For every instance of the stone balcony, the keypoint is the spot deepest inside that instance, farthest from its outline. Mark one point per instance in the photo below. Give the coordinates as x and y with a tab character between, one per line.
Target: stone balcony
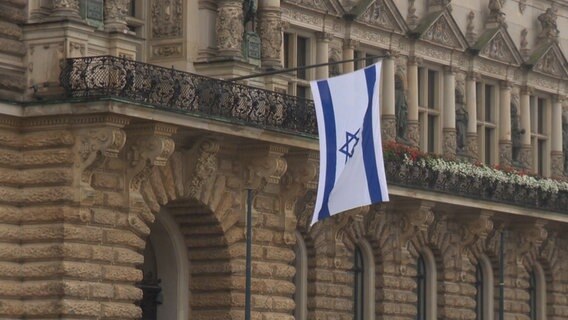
150	86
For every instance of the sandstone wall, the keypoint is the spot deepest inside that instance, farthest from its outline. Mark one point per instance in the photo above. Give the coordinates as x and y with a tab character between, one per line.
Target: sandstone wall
12	49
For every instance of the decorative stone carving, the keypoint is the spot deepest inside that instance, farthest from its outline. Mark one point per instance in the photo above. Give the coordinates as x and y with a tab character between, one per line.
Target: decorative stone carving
462	119
525	156
470	34
550	64
401	109
557	163
94	147
436	5
498	49
449	143
66	8
230	28
415	220
441	32
496	14
522	6
516	133
379	14
265	165
505	153
411	17
148	145
317	4
167	19
549	26
472	146
414	133
204	156
388	127
115	15
270	31
524	44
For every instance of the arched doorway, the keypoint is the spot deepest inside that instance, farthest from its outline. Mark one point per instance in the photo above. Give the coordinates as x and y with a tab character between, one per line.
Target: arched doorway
165	284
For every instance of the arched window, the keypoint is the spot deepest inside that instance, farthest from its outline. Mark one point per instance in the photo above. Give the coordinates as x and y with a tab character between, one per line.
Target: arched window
537	293
484	287
426	288
359	285
301	279
364	282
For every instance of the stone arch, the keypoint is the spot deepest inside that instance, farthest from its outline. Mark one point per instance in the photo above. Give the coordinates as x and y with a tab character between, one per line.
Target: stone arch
205	206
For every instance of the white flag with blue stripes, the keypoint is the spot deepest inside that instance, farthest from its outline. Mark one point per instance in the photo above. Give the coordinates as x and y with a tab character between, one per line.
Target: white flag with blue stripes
351	172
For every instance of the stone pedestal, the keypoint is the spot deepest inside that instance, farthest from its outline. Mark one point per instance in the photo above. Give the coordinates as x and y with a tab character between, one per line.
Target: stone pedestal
472	146
557	163
230	29
413	133
449	143
526	156
505	152
388	127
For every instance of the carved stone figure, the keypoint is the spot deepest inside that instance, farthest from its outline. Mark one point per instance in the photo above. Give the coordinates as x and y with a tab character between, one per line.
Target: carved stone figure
516	133
167	18
249	10
524	43
401	109
548	22
470	31
496	13
411	17
462	119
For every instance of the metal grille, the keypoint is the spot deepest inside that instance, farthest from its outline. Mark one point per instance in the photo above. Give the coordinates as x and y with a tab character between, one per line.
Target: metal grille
173	90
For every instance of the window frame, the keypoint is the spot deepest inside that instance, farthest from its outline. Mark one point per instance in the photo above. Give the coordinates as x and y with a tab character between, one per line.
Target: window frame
429	116
540	137
290	57
487	125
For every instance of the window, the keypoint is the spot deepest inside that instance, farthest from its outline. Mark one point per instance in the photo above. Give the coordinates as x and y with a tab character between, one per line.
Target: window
537	293
359	285
134	16
363	282
297	54
484	289
367	59
429	108
486	124
540	134
426	286
301	279
421	289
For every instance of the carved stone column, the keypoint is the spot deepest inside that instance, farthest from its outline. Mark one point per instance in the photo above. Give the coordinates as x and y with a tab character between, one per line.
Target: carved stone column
525	157
449	115
115	15
230	28
270	31
471	105
66	9
505	145
556	156
413	125
388	103
348	54
322	53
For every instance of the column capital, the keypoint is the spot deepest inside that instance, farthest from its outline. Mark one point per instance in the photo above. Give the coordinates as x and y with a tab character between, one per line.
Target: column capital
505	84
285	25
324	36
350	43
450	69
414	60
559	98
472	75
526	90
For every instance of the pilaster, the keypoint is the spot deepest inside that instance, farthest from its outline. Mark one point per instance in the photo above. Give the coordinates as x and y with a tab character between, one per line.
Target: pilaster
526	153
115	15
556	156
449	146
322	53
505	144
349	46
65	9
388	119
413	125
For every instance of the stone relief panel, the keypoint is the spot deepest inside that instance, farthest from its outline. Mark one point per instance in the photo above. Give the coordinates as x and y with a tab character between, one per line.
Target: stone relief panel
550	64
302	17
380	15
441	32
312	4
167	18
498	49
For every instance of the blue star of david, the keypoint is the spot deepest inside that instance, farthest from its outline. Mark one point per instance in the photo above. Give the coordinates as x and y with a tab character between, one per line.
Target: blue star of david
347	149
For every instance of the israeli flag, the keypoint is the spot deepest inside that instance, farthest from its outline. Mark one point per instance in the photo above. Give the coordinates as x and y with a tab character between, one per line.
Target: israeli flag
352	172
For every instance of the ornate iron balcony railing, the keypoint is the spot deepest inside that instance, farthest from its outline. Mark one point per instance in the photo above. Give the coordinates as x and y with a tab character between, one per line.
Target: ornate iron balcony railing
178	91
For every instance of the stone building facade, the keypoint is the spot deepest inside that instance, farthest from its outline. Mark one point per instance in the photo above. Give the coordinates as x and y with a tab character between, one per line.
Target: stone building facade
123	178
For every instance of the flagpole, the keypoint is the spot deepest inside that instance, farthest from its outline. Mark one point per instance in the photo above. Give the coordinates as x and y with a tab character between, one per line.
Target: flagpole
273	72
248	265
502	277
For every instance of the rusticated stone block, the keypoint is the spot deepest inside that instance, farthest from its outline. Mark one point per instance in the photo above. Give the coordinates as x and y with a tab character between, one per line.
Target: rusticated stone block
80	308
87	271
127	256
115	273
11	308
120	311
126	292
124	237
